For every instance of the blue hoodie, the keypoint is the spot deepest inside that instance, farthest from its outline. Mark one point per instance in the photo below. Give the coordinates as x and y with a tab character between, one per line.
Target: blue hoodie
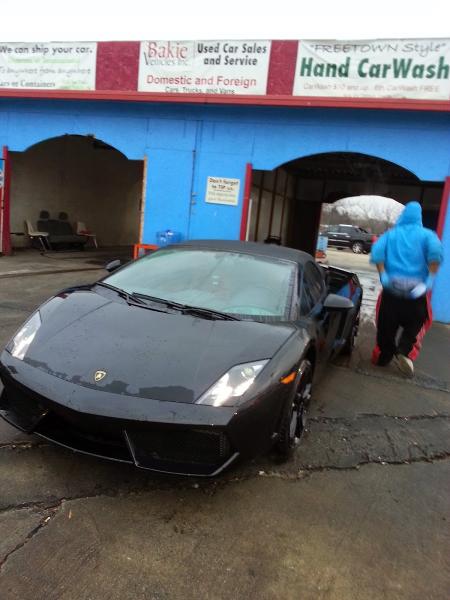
408	248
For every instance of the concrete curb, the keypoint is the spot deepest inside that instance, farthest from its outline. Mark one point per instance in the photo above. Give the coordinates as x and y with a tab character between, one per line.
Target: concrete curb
28	273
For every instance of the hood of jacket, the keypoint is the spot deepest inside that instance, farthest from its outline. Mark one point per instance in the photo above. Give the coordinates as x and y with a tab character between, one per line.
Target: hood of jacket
411	215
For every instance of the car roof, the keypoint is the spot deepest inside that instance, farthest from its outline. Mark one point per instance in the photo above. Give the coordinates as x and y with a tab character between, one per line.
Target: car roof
255	248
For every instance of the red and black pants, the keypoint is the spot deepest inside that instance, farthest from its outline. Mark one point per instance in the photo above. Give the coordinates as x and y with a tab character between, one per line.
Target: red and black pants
401	325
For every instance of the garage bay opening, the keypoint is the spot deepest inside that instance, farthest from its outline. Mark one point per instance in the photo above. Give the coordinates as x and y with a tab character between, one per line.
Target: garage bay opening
286	203
80	189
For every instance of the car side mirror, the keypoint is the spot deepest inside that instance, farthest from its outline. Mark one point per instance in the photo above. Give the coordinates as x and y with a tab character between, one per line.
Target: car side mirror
113	265
336	302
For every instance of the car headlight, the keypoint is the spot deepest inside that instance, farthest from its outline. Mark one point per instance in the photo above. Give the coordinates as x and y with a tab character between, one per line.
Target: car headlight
228	390
20	343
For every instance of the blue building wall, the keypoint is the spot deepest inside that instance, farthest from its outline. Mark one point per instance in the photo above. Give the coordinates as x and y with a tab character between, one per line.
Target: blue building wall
184	144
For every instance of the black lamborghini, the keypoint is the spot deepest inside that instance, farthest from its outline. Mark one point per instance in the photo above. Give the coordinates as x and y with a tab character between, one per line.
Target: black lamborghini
183	360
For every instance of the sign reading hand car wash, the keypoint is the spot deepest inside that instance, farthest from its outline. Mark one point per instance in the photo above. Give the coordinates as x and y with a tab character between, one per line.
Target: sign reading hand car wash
206	67
374	68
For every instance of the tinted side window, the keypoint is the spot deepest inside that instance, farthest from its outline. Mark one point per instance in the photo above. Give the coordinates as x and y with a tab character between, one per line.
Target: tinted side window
306	300
313	281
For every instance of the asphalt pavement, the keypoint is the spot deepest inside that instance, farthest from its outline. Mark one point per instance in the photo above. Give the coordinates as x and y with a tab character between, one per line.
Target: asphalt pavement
361	512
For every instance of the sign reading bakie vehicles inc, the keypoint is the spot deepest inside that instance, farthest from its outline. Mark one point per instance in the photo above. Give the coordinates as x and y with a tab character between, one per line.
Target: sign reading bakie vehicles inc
416	69
208	67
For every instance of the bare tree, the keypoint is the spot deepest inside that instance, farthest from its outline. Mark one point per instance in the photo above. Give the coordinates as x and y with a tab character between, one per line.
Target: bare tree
368	212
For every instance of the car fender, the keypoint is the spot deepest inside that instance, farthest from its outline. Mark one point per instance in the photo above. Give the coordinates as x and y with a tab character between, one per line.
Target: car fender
307	352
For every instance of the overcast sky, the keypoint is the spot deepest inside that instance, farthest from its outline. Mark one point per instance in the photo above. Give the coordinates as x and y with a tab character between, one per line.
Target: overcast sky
91	20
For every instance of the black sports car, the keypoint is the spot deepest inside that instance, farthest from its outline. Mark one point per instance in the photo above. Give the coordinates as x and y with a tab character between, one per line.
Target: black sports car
183	360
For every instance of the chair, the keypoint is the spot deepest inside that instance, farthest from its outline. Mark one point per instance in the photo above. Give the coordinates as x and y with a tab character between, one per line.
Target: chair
40	235
60	232
83	230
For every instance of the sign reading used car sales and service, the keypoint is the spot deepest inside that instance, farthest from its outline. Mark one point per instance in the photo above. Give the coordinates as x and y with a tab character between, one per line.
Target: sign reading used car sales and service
48	66
209	67
415	69
222	190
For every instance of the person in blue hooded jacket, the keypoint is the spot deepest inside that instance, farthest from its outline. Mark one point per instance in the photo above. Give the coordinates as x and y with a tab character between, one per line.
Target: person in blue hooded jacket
407	258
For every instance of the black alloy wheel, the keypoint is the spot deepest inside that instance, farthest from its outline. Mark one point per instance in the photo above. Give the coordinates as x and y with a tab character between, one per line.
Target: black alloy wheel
358	247
349	345
294	419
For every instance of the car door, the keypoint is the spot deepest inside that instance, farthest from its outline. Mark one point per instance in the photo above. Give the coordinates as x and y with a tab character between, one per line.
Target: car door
332	235
326	323
345	236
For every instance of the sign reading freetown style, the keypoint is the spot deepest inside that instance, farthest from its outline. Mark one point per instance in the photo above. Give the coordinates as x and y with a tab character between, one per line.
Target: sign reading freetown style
416	69
48	66
212	67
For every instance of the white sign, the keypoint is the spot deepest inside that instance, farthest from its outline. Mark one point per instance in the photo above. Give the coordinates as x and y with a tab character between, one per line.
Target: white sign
221	190
374	69
48	66
213	67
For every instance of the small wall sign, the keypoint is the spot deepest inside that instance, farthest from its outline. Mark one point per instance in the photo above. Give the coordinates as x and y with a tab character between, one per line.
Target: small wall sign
222	190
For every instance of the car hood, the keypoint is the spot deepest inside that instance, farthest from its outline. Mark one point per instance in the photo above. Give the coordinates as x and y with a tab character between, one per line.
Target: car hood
144	353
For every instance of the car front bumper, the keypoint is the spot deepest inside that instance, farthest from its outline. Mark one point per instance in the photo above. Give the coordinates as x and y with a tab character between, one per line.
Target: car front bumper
168	437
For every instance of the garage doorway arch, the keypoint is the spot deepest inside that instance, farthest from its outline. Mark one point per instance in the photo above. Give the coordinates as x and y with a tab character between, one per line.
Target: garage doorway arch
91	181
287	201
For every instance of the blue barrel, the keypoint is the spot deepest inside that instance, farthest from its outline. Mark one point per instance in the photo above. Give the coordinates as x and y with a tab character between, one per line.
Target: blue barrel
322	243
165	238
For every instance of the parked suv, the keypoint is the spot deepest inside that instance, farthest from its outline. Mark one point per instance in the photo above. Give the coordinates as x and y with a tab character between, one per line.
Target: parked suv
350	236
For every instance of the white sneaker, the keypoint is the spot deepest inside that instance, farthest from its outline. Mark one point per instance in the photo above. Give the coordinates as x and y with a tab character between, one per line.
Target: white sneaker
405	365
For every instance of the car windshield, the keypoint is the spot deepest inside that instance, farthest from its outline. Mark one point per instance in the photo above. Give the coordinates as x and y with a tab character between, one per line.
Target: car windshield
243	285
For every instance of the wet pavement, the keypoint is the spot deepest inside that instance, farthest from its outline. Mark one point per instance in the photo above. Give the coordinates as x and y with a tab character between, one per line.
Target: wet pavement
28	261
361	512
367	273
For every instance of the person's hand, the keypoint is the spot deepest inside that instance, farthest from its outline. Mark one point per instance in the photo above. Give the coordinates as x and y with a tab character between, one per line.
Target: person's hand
419	290
385	279
429	282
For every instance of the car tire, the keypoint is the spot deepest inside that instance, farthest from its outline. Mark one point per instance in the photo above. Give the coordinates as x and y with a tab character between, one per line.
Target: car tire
349	345
294	419
358	247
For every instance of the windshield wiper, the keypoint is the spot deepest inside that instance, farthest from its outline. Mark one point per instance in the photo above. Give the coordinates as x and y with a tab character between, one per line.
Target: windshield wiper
168	303
136	298
208	313
122	293
187	309
131	299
